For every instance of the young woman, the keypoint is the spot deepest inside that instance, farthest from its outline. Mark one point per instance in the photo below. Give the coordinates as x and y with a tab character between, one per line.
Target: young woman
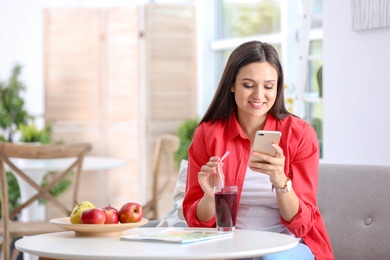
277	195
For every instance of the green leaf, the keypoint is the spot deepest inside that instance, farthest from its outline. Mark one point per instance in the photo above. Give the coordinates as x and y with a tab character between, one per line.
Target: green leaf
13	192
12	107
185	132
30	133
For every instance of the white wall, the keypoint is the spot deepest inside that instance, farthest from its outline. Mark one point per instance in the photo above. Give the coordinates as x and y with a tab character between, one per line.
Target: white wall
356	89
21	41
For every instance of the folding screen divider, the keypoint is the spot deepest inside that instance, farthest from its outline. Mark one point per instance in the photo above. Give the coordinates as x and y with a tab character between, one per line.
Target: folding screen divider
118	78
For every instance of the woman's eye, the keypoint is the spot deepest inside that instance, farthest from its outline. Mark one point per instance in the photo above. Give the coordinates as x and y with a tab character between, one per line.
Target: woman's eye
269	86
247	86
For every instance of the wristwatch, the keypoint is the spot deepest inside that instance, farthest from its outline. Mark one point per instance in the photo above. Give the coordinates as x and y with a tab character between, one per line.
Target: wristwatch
286	188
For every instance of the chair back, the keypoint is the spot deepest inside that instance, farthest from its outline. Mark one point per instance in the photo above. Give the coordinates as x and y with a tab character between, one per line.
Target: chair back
164	151
9	155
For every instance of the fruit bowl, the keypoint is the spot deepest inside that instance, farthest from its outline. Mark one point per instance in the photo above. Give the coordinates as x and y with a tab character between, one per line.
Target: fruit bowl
96	229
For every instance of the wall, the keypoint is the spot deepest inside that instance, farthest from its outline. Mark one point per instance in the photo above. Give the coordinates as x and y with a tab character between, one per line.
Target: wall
356	89
21	42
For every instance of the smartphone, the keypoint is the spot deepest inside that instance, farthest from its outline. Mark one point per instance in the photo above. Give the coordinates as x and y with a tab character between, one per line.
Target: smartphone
263	143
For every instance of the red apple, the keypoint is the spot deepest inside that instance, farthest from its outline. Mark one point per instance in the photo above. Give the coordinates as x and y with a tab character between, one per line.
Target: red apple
112	215
131	212
93	216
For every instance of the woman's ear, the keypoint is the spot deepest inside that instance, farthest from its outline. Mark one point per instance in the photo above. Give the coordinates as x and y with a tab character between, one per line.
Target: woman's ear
232	88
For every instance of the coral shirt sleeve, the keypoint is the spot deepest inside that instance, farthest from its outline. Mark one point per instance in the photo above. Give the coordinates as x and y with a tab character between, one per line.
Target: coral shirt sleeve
303	171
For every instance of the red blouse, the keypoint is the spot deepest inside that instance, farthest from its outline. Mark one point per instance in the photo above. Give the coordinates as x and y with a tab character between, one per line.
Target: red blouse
300	148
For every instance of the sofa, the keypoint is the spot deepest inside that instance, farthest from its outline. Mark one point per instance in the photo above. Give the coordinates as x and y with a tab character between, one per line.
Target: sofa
353	200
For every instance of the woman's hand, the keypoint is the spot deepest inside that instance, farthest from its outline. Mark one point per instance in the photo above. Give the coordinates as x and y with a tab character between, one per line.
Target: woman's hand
272	166
208	176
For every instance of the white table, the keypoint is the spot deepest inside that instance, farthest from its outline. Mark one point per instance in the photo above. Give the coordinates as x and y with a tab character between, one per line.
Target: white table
65	245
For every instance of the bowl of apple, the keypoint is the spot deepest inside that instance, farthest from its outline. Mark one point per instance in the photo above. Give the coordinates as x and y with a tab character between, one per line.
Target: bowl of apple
88	220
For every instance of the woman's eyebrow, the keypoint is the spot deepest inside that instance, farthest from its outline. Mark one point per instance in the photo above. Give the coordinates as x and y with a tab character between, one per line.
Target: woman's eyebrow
270	80
248	79
267	81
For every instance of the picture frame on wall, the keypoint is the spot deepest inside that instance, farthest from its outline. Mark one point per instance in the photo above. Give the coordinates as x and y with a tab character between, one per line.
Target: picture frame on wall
370	14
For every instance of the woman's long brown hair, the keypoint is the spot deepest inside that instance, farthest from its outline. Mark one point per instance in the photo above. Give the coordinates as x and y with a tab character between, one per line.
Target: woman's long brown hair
223	104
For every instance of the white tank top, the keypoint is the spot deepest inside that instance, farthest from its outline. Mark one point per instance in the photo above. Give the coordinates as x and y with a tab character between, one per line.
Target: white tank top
258	208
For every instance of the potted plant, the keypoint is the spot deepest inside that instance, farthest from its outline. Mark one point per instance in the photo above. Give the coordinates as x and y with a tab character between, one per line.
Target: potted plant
29	133
12	109
12	113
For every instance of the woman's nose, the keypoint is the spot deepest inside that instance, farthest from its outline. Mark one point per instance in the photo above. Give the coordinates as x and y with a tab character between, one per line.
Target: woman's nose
258	92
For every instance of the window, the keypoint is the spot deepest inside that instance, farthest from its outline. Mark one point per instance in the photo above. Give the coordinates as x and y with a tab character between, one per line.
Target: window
277	22
246	18
239	21
312	98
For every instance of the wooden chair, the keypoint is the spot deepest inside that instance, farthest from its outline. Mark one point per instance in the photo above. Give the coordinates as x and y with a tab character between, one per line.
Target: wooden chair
165	148
11	228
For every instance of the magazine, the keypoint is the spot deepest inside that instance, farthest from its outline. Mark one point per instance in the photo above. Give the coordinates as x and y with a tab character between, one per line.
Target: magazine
179	236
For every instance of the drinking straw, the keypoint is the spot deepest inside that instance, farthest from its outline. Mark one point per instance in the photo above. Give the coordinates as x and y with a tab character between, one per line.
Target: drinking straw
220	169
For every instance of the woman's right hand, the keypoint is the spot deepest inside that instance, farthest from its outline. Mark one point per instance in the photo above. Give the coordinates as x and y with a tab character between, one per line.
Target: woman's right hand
208	177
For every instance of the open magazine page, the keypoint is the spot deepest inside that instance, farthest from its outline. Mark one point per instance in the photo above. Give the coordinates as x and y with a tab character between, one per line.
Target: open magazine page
179	236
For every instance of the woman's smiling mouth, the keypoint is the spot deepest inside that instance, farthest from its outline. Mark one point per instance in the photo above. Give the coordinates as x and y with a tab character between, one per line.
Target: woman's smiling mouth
256	104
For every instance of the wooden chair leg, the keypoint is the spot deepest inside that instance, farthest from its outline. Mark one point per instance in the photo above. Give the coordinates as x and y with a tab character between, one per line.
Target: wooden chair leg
15	253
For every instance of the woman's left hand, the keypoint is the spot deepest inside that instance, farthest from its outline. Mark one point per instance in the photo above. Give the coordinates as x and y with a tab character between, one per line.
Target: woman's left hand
272	166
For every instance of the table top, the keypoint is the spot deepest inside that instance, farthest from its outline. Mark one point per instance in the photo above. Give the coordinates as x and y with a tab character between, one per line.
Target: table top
65	245
90	163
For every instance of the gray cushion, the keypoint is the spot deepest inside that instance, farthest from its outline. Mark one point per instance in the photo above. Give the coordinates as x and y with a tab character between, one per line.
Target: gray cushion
354	202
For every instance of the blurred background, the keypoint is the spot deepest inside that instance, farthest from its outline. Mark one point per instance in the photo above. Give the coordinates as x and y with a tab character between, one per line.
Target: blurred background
119	74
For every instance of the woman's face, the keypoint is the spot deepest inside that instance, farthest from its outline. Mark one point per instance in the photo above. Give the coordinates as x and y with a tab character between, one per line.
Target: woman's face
255	89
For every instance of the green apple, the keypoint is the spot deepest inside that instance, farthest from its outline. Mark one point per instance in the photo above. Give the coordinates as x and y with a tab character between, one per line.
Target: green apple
75	216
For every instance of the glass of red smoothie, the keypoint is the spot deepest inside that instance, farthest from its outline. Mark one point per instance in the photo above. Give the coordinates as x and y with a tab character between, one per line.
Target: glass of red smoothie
225	207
